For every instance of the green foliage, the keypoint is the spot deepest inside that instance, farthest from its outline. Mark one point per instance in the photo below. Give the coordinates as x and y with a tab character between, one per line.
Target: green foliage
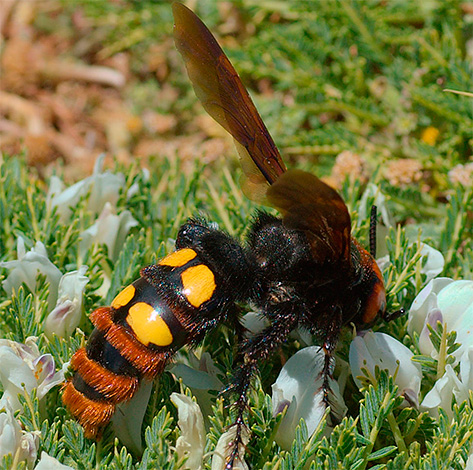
375	66
373	439
457	227
360	76
158	453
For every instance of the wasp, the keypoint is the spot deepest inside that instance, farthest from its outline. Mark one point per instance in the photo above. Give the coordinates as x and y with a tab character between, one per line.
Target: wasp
303	269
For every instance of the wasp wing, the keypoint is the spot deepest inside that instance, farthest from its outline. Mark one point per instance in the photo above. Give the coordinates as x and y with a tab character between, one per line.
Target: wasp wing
305	201
308	204
219	88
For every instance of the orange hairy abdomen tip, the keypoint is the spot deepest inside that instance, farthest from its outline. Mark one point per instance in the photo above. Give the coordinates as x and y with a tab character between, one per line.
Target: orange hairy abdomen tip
91	415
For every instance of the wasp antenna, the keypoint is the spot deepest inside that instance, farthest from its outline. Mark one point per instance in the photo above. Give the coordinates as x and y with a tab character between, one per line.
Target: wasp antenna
373	220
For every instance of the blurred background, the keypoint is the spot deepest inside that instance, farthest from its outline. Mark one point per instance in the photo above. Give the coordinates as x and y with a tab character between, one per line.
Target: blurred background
355	84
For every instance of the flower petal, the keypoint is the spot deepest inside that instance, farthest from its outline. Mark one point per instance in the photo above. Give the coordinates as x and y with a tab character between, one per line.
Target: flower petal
50	463
15	374
65	317
103	187
456	304
29	444
425	344
191	442
109	229
46	375
441	395
425	301
466	368
254	323
22	368
10	432
299	387
381	350
128	419
434	262
26	269
201	376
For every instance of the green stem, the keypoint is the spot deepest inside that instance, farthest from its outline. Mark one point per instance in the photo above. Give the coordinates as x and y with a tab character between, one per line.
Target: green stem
442	359
16	459
396	432
32	411
98	451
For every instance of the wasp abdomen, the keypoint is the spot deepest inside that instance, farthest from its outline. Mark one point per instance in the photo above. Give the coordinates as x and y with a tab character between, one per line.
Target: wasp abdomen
136	336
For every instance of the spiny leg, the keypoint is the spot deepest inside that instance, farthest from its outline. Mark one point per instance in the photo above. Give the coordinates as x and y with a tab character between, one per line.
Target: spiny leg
253	351
327	348
331	335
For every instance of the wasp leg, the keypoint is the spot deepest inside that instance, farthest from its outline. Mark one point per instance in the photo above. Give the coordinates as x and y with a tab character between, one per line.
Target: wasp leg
327	375
254	351
330	336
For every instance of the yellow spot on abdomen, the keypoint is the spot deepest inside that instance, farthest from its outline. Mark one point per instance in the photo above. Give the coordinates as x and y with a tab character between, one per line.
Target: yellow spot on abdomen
148	325
124	296
198	284
178	258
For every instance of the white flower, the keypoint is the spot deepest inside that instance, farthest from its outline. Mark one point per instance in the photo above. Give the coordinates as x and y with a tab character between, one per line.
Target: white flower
385	352
191	442
10	432
66	316
441	395
27	267
128	419
447	301
29	444
424	311
299	388
224	447
466	375
109	229
68	287
22	368
103	187
450	385
433	264
21	445
50	463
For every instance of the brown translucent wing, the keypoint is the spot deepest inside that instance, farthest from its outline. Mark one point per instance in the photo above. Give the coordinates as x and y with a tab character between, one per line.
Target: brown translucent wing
219	88
308	204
